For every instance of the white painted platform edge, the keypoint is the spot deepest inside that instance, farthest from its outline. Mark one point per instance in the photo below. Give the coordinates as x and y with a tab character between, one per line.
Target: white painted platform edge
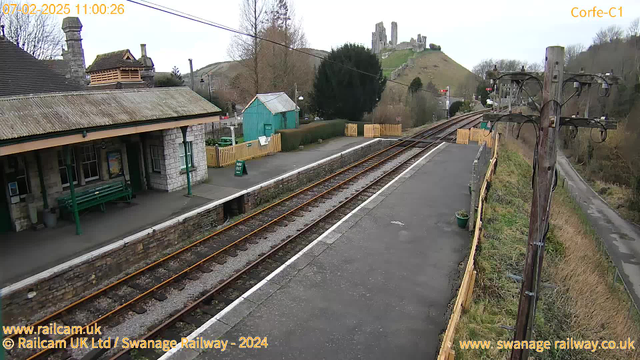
257	286
122	243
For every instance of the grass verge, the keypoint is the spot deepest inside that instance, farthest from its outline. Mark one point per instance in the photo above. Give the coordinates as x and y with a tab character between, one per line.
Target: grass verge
580	299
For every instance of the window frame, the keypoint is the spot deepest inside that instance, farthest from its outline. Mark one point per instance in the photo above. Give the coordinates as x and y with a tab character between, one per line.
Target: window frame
181	156
95	160
21	164
156	153
73	165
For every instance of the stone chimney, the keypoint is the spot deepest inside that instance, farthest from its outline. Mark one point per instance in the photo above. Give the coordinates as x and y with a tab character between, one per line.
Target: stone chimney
147	74
74	55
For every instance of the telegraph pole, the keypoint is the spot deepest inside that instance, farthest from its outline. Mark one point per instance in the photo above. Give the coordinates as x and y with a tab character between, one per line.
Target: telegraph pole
542	188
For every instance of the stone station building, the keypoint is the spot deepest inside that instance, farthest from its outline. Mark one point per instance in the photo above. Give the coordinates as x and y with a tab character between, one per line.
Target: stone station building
133	135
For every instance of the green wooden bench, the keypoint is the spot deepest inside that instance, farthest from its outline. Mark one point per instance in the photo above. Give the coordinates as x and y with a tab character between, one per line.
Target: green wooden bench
96	196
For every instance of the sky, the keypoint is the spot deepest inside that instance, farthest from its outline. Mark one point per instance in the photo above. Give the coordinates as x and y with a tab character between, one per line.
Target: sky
468	31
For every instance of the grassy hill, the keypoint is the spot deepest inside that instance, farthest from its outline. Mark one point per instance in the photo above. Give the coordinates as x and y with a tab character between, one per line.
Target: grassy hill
434	66
226	70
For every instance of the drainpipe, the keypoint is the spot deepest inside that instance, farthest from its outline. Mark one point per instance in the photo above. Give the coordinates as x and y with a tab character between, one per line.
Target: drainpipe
186	158
67	159
43	189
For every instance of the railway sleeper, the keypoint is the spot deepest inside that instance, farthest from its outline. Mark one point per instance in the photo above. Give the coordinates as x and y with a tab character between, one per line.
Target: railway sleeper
220	259
160	296
193	320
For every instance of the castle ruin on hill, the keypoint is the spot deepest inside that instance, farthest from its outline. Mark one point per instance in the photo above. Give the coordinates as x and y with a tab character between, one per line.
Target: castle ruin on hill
379	41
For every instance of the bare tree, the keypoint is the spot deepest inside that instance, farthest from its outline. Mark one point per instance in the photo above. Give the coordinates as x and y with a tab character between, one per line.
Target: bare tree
285	67
610	34
534	67
571	52
246	49
634	28
39	35
482	67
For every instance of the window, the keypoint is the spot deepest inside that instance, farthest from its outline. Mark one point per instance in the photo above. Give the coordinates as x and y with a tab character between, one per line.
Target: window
189	155
64	179
22	178
157	157
17	177
89	163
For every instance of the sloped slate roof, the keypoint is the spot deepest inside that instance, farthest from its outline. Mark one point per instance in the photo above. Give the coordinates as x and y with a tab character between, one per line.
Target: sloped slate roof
59	66
113	60
21	73
24	116
277	102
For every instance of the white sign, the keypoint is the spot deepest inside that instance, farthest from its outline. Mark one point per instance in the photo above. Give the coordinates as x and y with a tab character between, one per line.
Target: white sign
263	140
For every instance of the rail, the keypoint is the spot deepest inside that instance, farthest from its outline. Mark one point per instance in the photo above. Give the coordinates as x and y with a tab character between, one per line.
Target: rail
156	332
450	127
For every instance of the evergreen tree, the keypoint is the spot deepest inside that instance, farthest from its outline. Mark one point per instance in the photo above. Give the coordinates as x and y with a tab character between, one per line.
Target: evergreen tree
342	92
416	85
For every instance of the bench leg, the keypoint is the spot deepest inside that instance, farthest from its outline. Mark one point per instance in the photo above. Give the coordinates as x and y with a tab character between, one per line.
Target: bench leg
102	207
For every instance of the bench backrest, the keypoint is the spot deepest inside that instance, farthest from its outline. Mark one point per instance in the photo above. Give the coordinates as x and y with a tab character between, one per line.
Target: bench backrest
93	193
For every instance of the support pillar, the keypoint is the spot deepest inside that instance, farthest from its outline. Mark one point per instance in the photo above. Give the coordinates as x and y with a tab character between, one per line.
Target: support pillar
67	158
43	189
186	158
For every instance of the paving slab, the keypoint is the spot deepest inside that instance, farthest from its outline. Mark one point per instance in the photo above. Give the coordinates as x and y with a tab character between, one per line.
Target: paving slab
381	289
272	166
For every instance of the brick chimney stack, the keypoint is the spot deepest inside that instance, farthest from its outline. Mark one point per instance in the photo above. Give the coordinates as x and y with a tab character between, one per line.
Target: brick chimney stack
74	55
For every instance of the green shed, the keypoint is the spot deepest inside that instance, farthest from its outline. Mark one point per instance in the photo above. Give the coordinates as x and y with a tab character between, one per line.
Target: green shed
267	113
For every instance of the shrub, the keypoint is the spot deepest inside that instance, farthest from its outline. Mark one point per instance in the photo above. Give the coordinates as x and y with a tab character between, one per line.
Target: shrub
310	133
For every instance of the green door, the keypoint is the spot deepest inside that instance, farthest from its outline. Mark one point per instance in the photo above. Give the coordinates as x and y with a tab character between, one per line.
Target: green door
133	159
5	216
268	130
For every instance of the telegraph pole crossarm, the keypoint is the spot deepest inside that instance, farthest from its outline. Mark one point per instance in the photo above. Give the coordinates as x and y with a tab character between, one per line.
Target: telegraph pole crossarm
579	122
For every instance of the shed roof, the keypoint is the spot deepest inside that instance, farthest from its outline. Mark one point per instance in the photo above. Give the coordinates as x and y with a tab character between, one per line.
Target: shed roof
277	102
21	73
31	115
114	60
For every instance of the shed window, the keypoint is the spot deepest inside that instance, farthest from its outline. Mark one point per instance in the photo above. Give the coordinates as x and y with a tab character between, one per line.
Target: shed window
157	157
64	179
189	155
90	163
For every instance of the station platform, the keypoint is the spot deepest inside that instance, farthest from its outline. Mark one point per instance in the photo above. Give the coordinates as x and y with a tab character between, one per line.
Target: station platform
30	252
376	285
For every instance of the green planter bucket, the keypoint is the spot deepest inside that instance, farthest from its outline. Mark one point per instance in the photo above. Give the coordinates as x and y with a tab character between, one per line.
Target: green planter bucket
462	221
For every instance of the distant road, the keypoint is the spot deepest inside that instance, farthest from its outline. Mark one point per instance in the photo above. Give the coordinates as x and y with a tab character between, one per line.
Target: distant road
621	237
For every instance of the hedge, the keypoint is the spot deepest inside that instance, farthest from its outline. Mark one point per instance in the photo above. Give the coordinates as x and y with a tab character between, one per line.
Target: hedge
310	133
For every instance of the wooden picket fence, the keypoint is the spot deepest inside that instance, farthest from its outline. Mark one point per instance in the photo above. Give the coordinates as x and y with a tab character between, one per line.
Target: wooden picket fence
462	136
372	130
465	292
481	136
248	150
351	130
377	130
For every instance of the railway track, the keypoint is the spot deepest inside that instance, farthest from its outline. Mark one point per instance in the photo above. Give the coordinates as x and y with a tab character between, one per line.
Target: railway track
106	307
